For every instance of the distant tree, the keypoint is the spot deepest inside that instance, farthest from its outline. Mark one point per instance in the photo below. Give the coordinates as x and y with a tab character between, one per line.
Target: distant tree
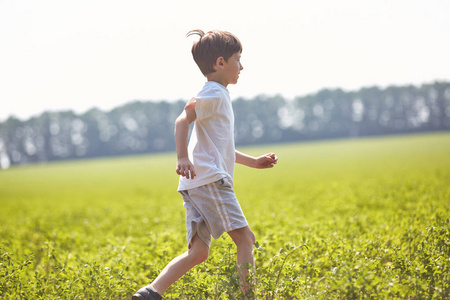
146	127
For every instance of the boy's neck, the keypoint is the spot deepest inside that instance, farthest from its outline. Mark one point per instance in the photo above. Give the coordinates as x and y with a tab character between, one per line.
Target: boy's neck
218	83
217	78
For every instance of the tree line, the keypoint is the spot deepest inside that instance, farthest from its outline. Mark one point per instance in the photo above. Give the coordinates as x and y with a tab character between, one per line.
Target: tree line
146	127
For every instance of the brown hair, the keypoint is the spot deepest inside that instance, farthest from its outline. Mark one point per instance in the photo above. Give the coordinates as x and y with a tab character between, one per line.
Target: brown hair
210	46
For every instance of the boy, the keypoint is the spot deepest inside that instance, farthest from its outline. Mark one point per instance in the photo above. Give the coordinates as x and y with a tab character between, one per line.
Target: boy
206	166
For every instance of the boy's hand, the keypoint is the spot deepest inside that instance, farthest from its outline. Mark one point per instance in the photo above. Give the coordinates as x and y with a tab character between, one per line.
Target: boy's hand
185	168
266	161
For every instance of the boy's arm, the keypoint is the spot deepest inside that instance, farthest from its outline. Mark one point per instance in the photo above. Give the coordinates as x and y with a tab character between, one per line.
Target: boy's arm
262	162
184	165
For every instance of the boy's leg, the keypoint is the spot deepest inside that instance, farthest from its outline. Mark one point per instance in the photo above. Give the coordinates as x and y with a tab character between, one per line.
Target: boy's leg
197	253
244	240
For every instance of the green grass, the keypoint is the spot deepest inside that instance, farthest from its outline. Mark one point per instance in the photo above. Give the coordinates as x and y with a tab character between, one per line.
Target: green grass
346	219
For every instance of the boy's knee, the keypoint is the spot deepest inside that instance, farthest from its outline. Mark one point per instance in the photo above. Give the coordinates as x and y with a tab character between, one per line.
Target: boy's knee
199	254
244	237
252	238
249	237
203	255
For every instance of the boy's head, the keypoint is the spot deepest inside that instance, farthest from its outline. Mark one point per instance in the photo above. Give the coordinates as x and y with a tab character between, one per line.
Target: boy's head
212	45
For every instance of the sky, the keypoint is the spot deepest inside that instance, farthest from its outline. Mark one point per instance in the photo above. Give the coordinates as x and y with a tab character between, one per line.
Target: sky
60	55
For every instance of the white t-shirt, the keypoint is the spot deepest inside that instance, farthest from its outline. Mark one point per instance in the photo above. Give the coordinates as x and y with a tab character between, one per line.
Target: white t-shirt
211	146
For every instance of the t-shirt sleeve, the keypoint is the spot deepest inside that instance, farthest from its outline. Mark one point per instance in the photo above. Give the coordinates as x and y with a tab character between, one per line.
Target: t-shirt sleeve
205	107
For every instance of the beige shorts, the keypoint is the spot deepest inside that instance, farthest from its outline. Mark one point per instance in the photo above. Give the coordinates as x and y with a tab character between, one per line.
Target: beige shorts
211	210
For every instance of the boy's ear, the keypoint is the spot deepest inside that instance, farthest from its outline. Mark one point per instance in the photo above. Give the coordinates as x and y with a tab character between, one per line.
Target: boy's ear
219	63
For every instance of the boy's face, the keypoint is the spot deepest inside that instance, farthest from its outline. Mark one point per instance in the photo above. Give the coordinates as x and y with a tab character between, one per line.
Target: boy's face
232	68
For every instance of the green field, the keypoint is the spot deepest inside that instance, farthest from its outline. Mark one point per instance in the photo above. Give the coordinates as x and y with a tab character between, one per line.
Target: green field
346	219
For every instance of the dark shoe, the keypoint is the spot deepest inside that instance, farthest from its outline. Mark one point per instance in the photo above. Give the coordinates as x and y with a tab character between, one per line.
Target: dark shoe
146	293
